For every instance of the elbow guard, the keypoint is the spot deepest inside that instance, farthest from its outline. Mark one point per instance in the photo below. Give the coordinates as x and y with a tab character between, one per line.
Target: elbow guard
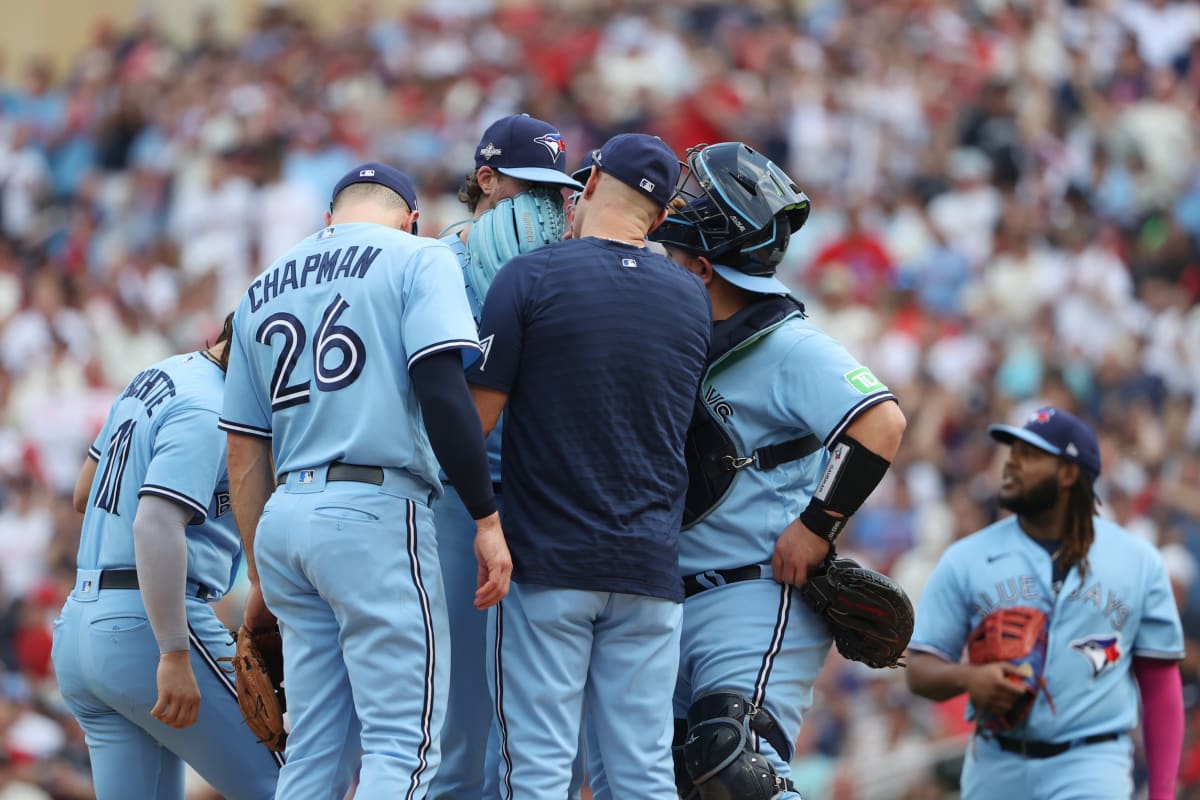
851	475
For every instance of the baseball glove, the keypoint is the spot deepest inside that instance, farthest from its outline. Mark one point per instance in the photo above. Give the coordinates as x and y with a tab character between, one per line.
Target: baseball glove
1016	635
258	670
869	615
516	225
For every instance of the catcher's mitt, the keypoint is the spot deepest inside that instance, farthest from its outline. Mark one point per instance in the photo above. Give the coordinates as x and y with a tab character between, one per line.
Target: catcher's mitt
1016	635
258	669
869	615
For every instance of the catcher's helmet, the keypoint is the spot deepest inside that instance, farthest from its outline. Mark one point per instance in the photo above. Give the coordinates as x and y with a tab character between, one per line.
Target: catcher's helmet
740	211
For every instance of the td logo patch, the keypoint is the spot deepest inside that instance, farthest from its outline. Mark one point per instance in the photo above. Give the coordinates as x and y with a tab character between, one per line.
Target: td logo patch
863	380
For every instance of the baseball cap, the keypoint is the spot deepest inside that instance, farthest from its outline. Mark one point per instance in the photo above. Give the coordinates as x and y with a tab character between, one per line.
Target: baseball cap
374	172
638	160
524	147
1058	433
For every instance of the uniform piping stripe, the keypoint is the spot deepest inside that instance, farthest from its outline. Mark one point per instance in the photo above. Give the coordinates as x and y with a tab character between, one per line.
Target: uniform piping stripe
500	719
171	494
93	453
430	663
223	677
453	344
1161	655
852	414
247	430
764	672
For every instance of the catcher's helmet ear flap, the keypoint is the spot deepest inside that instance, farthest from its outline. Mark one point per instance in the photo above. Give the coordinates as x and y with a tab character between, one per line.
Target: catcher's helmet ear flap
741	209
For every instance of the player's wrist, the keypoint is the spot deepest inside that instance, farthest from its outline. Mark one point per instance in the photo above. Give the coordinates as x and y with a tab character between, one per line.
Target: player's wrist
172	651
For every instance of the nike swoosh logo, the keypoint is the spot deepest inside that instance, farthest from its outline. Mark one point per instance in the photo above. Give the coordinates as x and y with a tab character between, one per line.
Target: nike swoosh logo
990	559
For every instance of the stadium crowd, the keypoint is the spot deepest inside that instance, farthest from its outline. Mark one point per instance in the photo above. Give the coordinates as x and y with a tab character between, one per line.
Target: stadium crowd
1006	201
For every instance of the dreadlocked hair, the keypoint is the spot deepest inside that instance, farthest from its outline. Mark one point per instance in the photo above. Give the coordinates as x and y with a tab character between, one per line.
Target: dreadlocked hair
1082	505
225	336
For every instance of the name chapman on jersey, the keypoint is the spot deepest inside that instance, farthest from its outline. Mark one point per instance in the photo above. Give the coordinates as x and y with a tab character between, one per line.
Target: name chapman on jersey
318	268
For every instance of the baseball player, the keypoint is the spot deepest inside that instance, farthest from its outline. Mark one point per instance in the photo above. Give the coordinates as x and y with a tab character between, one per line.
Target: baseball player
518	178
137	646
596	348
790	436
345	380
1112	632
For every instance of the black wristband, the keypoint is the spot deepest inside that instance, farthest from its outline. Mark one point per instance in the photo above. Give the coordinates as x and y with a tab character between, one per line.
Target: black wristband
818	520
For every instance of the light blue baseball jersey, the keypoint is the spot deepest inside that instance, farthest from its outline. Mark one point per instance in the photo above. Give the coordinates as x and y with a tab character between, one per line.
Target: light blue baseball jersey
1098	623
476	302
304	353
161	439
815	387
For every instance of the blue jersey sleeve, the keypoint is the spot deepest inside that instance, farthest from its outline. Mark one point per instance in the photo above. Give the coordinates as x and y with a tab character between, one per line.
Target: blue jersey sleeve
245	408
187	460
822	388
1160	632
436	315
941	624
502	325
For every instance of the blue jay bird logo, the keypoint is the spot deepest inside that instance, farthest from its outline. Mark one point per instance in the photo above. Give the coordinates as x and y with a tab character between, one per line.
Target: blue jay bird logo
552	142
1101	652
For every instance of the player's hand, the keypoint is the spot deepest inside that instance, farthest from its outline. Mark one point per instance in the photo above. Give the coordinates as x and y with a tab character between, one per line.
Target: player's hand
495	562
994	687
257	615
178	693
798	553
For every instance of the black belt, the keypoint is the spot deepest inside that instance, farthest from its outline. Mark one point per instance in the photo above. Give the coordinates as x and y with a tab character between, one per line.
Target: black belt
1035	749
345	472
128	579
711	579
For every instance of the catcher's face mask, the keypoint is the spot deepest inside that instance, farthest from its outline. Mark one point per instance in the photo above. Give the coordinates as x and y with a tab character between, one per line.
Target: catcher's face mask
740	209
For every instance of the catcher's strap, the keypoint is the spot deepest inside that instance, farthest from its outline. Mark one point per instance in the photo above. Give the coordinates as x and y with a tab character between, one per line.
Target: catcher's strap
1018	635
870	617
516	225
258	672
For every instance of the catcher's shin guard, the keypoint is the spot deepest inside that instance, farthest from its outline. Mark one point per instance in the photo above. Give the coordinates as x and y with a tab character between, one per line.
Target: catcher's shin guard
717	756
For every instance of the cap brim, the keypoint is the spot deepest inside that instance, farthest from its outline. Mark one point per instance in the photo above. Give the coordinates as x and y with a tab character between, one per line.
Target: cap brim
541	175
759	284
1006	433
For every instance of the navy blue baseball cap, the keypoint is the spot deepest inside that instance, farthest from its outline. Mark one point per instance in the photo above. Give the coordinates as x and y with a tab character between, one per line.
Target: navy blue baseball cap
1058	433
638	160
524	147
374	172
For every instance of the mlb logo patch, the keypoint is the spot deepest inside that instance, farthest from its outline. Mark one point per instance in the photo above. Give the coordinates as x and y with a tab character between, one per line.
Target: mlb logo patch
647	185
306	476
325	234
629	262
86	586
366	173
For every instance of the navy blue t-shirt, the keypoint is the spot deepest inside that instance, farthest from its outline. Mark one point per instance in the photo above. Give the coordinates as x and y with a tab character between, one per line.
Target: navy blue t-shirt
600	347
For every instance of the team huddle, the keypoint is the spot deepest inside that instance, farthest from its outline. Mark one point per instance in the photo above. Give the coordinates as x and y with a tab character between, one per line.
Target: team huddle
555	498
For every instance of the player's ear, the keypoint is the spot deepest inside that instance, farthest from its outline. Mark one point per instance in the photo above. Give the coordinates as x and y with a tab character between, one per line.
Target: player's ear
328	217
412	222
658	220
589	187
486	178
704	269
1068	474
